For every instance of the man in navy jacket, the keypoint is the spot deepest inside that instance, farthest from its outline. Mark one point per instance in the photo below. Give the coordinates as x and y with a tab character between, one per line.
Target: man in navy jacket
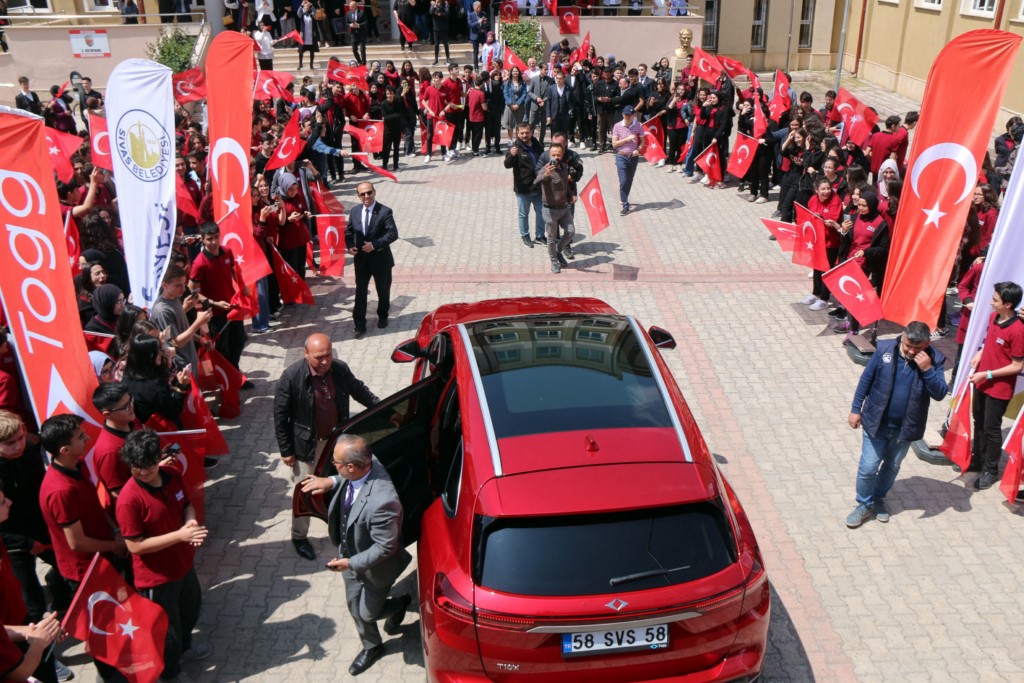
891	404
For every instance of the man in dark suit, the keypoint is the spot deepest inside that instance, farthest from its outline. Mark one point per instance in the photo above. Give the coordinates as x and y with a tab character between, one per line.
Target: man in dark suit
26	99
368	236
364	520
310	401
358	22
559	104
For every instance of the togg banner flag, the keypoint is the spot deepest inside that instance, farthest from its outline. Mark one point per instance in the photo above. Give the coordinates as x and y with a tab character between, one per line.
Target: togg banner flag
140	123
35	281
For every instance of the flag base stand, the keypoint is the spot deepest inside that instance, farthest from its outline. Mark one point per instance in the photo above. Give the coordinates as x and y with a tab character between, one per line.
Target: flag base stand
859	348
932	456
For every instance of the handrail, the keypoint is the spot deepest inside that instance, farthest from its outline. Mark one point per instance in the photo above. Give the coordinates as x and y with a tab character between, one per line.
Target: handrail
199	38
54	18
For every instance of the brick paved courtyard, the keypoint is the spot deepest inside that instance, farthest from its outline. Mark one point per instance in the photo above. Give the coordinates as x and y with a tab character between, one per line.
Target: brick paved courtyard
935	595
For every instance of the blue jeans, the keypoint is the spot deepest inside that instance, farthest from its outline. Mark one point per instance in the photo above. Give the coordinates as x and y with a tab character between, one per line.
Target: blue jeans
880	460
626	166
689	164
523	201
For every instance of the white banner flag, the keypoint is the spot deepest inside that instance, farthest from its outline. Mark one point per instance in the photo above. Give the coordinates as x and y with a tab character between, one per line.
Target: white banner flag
1003	263
140	120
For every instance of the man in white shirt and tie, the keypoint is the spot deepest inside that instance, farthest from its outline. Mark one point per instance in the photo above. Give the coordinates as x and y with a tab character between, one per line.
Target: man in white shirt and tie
368	236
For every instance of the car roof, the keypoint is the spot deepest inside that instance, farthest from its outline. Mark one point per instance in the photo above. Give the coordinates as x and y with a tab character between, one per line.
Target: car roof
450	315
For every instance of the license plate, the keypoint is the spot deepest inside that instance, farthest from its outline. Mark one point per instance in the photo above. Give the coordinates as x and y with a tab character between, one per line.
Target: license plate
598	642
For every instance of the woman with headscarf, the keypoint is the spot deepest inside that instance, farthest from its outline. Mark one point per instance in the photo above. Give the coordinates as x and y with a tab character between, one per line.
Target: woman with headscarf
107	300
294	232
887	172
490	53
102	365
866	238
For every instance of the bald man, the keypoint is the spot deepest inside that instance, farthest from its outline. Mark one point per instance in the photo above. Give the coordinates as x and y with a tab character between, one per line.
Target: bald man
311	400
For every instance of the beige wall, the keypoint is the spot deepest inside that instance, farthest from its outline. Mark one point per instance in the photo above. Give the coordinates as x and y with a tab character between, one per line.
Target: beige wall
901	42
632	39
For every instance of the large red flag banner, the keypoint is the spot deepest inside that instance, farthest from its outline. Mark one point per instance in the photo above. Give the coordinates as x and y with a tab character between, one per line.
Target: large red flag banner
593	202
119	626
99	141
850	286
230	64
961	100
35	282
509	12
569	21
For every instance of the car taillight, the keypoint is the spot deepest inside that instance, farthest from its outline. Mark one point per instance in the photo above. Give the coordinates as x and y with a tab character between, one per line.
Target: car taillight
450	601
757	585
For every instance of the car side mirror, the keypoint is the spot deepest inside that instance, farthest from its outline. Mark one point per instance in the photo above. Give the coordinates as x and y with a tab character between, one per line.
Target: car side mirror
406	352
662	339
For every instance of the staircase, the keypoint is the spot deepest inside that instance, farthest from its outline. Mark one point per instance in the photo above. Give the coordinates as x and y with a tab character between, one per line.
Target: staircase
422	54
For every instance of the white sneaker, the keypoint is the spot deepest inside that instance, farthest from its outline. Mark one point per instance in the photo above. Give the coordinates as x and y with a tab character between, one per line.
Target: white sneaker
760	200
583	145
660	164
819	305
704	180
427	159
810	275
808	300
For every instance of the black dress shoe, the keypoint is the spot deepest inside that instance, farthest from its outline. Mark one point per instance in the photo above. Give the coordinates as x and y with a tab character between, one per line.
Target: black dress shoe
382	323
360	331
247	384
365	659
393	624
561	259
304	548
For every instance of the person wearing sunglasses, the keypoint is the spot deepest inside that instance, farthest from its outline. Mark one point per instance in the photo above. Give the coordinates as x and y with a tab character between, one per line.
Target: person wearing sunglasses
368	236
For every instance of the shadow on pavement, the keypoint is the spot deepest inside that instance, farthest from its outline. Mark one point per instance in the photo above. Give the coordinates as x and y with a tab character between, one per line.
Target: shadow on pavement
785	659
929	495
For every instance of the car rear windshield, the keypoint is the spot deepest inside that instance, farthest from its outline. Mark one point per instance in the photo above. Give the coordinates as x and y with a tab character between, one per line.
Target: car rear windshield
545	374
603	553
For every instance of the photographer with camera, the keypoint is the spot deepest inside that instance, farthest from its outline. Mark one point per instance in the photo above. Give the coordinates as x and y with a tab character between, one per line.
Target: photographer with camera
553	180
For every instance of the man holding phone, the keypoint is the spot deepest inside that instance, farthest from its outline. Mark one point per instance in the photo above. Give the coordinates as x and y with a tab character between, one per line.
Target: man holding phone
553	181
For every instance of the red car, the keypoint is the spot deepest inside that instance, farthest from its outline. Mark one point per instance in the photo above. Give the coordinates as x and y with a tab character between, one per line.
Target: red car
572	524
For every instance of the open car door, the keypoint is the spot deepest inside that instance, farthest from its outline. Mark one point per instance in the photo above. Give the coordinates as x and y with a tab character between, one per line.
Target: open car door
397	430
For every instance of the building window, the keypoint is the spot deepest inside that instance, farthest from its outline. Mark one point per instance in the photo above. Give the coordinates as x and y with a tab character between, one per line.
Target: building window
806	22
758	30
100	6
28	6
980	8
928	4
709	39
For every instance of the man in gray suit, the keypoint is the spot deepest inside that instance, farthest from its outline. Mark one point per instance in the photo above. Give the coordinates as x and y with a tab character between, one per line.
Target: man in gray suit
537	93
364	521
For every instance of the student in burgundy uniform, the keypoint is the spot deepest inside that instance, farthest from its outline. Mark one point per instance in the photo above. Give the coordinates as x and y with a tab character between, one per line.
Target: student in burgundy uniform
118	410
77	524
985	206
23	649
996	366
213	279
160	528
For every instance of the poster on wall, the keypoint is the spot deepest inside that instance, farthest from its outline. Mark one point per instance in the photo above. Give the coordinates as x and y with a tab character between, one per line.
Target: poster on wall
87	44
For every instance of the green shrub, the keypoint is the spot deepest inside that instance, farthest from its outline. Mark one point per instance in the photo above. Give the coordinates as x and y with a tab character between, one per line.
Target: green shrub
173	49
522	38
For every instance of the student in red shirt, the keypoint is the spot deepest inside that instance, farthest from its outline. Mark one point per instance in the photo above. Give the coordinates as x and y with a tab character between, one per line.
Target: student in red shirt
115	404
878	148
357	108
477	106
213	279
77	524
985	206
434	107
827	204
161	531
901	140
996	366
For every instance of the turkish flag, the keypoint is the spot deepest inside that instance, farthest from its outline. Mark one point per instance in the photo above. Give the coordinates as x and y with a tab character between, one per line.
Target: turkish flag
593	201
510	12
294	35
654	127
409	35
760	120
189	86
742	155
584	47
215	372
551	6
271	84
705	66
369	133
755	82
857	118
809	247
189	462
686	149
229	104
294	289
957	443
99	141
961	100
733	67
785	233
568	21
35	282
512	59
330	226
63	87
1014	445
60	146
780	102
354	75
185	203
364	158
96	341
73	242
711	163
443	133
119	626
653	151
197	415
290	146
243	307
852	289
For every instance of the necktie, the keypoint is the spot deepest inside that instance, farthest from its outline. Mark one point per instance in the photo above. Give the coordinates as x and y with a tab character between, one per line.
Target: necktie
366	221
349	495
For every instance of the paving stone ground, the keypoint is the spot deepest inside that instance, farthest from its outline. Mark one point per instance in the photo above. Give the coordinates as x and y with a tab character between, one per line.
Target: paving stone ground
935	595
